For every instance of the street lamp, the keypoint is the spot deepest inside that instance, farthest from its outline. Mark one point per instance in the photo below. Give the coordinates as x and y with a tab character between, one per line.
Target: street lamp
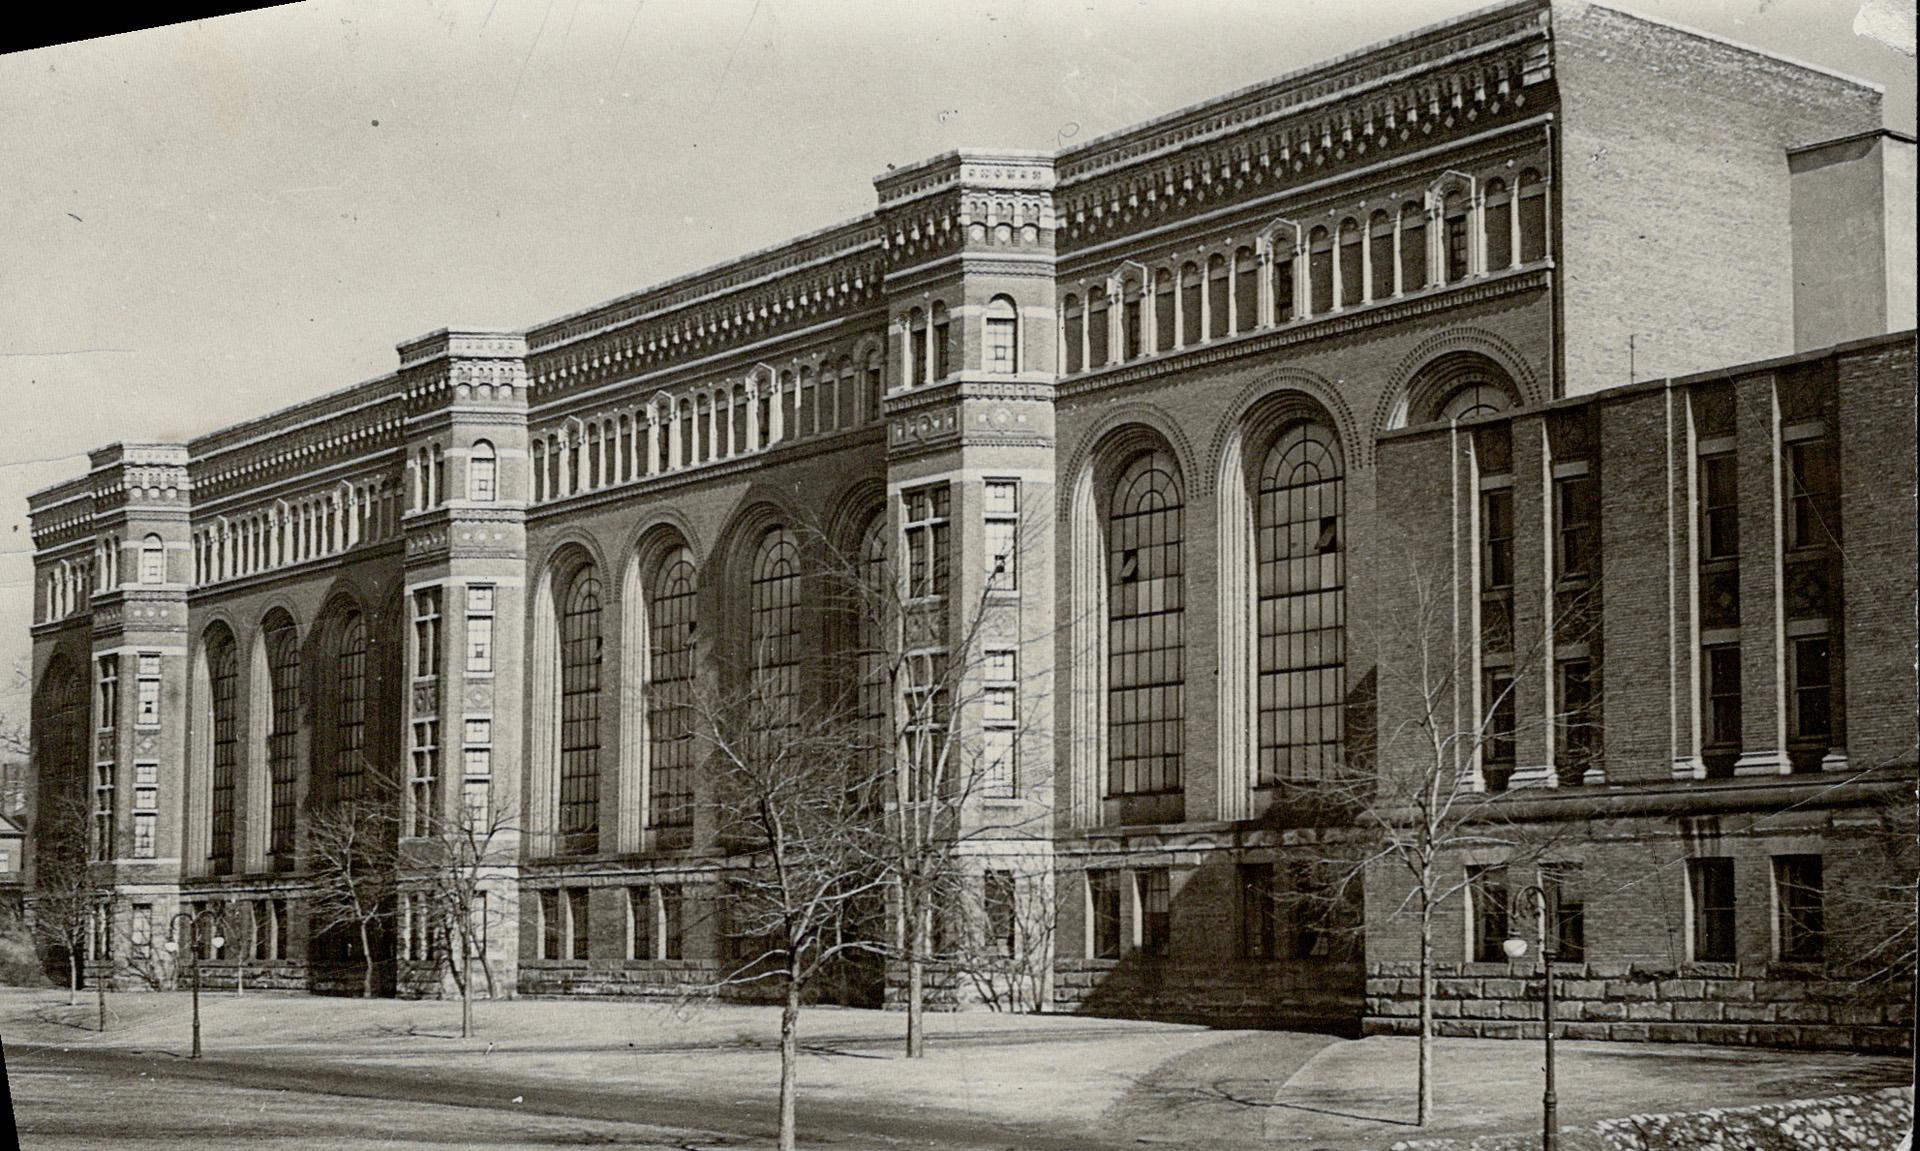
195	921
1516	948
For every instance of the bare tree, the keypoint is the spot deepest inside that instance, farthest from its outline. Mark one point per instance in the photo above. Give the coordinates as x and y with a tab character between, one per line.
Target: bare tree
450	867
1411	794
66	899
795	814
355	871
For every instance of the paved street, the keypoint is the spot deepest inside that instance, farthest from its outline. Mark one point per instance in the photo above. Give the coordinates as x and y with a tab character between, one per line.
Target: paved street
289	1071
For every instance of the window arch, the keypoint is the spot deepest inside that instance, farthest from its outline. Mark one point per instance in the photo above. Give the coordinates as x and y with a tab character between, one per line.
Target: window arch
1474	399
223	679
671	621
774	629
153	559
1146	675
350	705
283	764
580	659
1002	336
1300	550
481	473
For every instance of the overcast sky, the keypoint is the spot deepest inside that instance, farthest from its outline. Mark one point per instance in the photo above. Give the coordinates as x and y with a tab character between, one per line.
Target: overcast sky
208	221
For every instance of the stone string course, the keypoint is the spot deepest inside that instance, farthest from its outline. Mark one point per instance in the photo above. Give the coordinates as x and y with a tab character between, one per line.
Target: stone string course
1871	1122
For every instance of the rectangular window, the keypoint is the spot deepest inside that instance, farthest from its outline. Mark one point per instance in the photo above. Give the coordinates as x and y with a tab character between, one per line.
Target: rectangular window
426	631
109	692
1153	893
1306	905
672	923
640	915
550	925
1456	247
280	932
1566	911
1811	672
262	911
1710	887
477	772
144	824
480	630
140	930
1488	913
1496	534
1002	500
1719	506
105	776
1103	914
927	538
1811	485
1577	727
148	713
1576	529
1721	715
1000	720
1800	908
577	921
997	903
1258	906
1000	333
424	791
1497	748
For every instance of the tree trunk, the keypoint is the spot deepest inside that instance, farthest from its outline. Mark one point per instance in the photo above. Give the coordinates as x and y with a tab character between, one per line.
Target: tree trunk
1424	1108
73	977
917	981
789	1060
366	954
466	987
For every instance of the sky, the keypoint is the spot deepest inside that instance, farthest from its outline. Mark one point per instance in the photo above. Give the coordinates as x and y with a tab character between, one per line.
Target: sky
212	220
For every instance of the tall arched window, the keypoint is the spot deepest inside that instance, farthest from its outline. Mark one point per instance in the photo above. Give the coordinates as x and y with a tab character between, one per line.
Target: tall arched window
283	764
580	652
1498	214
1380	229
1003	336
1191	286
1132	337
1217	314
1320	270
223	677
774	630
1352	271
874	700
1162	310
153	560
1075	333
61	732
1146	640
915	369
670	632
1097	330
481	466
350	706
1246	290
942	342
1532	193
1302	605
1413	246
1285	307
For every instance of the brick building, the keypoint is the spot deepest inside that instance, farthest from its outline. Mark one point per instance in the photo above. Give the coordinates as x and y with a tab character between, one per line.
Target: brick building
1153	401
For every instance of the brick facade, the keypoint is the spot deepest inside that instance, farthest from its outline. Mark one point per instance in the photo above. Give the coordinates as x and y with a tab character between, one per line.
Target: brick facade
1176	365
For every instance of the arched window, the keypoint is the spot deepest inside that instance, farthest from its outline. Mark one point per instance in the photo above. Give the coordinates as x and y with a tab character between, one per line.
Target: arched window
874	700
1301	554
481	466
915	369
539	470
1162	310
1146	648
283	764
1381	229
153	560
1454	219
61	732
1532	192
1191	285
1475	399
1285	307
350	706
1498	215
580	651
849	394
670	632
774	631
1075	333
1413	247
1097	329
1320	270
1217	313
1132	337
1003	336
875	377
223	676
1246	290
942	342
1352	272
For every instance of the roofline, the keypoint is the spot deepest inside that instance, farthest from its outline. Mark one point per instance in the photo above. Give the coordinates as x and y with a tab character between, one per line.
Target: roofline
1732	43
1870	133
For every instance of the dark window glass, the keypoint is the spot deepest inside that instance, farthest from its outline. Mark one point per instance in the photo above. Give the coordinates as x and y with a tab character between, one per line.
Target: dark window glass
1578	728
1156	917
1217	302
1721	716
1712	891
1075	333
1719	506
1496	526
1811	488
1283	302
1320	271
774	600
1190	288
1566	911
550	925
1353	273
1577	531
1497	746
1246	290
1456	247
1487	891
1302	606
1800	895
1146	645
578	921
1812	688
223	668
1103	888
1163	310
1097	309
1257	911
997	898
1413	248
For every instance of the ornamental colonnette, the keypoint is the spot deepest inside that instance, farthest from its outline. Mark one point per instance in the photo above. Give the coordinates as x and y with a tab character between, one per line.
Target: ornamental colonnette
1219	418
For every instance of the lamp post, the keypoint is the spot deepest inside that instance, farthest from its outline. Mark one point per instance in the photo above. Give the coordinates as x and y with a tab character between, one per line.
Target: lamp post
195	920
1515	947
